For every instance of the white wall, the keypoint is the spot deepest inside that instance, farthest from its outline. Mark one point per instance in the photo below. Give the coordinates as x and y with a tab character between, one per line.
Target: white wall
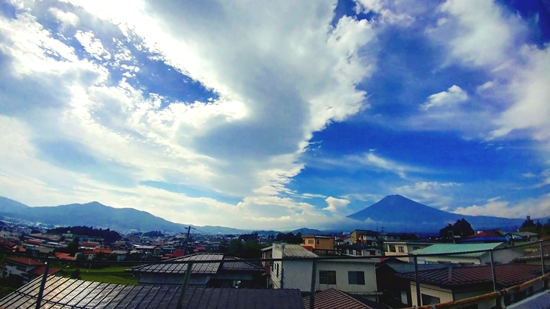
342	267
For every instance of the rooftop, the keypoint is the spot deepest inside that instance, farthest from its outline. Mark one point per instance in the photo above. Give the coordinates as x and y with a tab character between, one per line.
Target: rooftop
69	293
25	261
335	299
506	275
294	251
173	267
454	248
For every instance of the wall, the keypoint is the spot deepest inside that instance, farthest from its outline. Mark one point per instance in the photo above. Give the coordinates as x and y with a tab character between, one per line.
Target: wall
342	267
444	295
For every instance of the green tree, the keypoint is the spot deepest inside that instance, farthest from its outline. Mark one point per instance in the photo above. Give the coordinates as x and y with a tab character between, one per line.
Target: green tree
461	228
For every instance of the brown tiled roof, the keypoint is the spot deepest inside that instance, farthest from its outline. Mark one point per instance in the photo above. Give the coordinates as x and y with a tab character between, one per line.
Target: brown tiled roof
334	299
25	261
507	275
39	271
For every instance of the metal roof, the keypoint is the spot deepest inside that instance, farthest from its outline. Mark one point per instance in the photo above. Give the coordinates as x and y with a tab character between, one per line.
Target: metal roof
69	293
455	248
235	263
506	274
334	299
294	251
203	265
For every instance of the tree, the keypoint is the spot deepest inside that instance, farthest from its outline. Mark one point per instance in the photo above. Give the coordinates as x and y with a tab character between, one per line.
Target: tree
527	224
461	228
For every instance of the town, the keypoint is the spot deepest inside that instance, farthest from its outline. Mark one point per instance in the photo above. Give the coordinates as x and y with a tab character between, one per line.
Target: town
361	268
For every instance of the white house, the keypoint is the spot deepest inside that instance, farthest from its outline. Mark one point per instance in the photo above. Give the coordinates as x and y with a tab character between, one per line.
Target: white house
295	271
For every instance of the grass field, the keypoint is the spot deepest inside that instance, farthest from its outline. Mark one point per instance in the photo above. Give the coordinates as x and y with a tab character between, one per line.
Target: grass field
111	274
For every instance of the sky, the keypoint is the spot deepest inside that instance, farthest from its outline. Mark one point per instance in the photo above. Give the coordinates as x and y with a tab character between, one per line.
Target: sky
276	114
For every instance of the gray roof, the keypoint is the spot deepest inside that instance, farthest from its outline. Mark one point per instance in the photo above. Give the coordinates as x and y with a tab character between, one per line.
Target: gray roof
69	293
294	251
203	264
235	263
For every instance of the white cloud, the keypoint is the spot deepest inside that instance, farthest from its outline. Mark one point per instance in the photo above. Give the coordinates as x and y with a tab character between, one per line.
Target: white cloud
530	108
278	83
66	18
535	207
483	35
391	12
92	45
336	205
431	193
380	163
452	96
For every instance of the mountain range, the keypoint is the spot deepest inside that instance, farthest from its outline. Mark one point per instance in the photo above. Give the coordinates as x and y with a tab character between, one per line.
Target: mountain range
398	213
393	213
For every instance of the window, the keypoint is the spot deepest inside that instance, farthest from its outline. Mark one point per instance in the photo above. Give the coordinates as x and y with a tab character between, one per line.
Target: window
317	241
392	248
310	241
327	277
401	249
356	277
430	300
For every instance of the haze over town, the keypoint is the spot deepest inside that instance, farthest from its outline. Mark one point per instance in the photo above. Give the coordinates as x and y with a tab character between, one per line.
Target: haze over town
276	115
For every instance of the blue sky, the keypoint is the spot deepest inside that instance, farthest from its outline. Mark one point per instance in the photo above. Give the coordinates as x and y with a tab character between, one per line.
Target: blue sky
276	115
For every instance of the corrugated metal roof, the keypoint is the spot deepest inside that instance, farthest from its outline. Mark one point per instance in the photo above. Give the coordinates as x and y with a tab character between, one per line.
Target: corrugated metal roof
454	248
179	265
69	293
507	275
334	299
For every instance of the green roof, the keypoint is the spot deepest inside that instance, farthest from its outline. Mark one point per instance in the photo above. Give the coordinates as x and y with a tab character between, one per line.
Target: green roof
447	249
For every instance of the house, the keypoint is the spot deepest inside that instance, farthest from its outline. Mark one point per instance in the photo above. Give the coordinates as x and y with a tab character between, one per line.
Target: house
474	253
295	270
69	293
358	250
405	247
458	282
320	245
26	268
366	238
396	291
209	270
534	258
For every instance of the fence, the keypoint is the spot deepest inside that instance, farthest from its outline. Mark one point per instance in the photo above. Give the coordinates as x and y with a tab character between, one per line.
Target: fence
494	281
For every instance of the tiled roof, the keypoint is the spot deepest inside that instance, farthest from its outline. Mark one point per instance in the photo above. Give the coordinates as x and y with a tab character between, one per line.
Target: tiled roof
39	271
25	261
334	299
454	248
69	293
507	275
179	265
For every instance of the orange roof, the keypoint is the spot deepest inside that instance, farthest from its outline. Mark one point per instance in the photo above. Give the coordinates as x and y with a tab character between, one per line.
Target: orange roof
39	271
63	256
25	261
101	250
